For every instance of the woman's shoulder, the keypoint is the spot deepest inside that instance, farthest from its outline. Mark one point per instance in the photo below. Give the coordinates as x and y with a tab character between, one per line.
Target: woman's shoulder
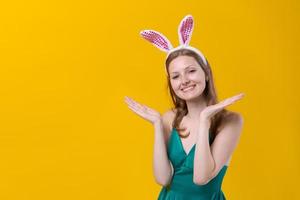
232	118
169	116
167	119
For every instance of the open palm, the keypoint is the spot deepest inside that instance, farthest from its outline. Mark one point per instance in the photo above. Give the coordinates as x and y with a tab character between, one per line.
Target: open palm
211	110
144	111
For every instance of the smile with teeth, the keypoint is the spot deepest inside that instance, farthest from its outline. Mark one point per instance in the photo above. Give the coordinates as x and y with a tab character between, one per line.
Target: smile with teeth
188	88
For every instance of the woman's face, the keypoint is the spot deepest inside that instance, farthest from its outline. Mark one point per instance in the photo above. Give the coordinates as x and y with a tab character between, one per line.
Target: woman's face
187	77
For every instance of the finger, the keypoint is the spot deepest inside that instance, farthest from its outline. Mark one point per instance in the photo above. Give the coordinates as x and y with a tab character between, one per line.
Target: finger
136	106
128	99
140	109
239	96
226	102
148	110
141	114
234	98
230	100
134	103
137	111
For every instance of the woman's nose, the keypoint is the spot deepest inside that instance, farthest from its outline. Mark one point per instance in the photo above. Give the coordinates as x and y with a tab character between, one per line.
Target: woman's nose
185	80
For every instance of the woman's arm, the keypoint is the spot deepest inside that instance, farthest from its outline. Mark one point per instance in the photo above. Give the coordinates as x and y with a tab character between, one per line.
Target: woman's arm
203	160
161	165
208	160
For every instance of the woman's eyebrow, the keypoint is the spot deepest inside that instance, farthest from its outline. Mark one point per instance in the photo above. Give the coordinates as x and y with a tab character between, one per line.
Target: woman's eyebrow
184	69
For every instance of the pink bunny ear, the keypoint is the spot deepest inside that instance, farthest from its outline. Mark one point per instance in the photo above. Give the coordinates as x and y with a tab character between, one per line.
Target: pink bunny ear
185	30
157	39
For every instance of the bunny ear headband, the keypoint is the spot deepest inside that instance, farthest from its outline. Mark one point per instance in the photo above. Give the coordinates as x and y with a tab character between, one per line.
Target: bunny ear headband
185	30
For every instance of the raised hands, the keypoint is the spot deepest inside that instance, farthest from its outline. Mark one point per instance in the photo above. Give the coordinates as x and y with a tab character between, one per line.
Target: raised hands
211	110
145	112
153	116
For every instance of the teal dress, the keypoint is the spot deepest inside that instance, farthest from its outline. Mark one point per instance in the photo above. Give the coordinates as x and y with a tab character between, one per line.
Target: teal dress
182	186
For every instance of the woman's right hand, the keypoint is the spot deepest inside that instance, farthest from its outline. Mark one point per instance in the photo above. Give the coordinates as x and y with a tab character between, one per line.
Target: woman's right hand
145	112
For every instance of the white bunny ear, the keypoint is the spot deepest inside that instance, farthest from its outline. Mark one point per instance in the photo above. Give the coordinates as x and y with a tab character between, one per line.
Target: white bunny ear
157	39
185	30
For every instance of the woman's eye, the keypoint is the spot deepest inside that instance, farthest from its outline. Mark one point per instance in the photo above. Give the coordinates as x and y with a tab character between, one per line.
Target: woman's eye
192	70
174	77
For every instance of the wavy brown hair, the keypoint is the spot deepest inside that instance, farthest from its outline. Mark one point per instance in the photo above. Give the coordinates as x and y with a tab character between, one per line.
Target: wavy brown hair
209	94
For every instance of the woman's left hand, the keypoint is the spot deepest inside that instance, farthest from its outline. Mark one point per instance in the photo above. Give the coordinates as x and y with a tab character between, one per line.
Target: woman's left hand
211	110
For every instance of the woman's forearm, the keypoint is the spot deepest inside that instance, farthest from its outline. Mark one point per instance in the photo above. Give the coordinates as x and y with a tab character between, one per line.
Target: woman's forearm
203	161
161	164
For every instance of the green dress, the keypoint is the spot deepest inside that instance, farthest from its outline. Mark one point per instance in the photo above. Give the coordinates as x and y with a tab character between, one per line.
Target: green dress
182	186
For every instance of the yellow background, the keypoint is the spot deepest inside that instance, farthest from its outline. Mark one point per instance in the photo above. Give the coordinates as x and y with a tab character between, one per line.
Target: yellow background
65	67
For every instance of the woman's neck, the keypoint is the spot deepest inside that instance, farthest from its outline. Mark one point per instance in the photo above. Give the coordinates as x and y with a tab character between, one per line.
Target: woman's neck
195	107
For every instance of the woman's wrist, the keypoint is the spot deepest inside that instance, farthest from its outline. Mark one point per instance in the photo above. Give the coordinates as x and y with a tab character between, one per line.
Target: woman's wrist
204	122
157	123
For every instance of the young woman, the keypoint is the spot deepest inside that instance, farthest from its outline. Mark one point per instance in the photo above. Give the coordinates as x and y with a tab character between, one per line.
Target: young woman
195	140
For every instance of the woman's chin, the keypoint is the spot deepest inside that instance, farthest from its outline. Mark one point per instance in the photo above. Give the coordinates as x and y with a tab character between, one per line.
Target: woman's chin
190	96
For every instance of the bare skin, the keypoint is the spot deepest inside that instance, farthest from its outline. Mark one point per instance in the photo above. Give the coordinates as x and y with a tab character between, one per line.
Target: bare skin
188	81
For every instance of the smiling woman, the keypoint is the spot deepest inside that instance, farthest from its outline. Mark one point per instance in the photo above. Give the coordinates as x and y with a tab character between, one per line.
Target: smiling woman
195	140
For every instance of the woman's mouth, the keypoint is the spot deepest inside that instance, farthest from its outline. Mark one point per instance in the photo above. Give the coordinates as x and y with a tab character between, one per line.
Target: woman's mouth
187	89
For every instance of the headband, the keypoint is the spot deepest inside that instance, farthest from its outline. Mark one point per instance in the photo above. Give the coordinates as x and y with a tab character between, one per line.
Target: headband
185	30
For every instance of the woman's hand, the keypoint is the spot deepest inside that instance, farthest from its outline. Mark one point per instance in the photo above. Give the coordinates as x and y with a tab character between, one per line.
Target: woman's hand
210	111
145	112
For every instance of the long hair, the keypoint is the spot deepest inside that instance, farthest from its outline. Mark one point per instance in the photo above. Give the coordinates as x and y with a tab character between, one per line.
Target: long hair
209	93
